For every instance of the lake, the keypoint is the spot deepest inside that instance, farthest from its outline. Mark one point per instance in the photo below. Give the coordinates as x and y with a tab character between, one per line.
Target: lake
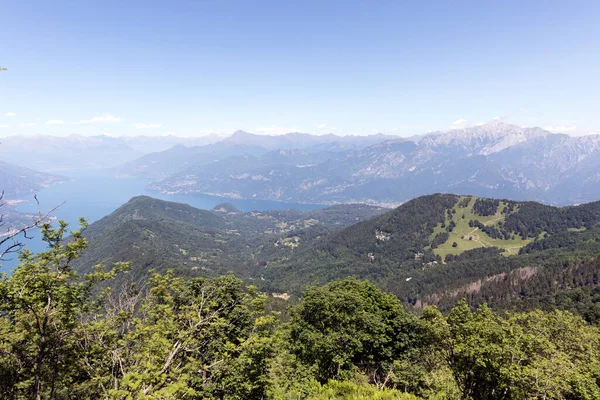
93	195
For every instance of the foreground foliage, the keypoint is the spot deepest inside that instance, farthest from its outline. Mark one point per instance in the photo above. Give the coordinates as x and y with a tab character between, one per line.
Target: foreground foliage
63	336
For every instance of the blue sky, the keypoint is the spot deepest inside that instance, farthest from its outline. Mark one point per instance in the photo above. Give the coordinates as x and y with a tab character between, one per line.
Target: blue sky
348	67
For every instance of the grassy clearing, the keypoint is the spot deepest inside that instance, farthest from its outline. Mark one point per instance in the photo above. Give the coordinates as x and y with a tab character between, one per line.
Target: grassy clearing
462	232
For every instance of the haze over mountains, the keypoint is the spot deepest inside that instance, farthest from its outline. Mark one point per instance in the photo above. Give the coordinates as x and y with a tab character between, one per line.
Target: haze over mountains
495	160
17	180
241	143
54	153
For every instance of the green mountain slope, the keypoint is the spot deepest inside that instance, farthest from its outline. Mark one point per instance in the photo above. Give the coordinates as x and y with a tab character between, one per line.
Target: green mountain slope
508	254
157	234
425	250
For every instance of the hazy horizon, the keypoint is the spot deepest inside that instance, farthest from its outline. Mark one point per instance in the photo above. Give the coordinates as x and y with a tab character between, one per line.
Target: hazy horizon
191	69
224	135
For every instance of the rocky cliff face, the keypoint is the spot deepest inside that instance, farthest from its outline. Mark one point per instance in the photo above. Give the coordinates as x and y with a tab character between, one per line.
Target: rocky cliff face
494	160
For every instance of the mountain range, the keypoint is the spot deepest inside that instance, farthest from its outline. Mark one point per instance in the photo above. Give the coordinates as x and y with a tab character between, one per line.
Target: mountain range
177	159
490	160
77	152
494	160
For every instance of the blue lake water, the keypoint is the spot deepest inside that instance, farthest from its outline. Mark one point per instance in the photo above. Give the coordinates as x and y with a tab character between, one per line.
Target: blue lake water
93	195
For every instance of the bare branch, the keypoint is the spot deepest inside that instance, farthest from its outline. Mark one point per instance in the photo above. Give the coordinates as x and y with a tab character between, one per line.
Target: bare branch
9	242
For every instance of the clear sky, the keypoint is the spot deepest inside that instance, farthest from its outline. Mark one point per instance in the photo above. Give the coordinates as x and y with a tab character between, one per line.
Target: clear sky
195	67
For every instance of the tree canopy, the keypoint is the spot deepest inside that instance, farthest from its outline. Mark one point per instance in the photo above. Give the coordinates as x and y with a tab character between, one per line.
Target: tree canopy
65	336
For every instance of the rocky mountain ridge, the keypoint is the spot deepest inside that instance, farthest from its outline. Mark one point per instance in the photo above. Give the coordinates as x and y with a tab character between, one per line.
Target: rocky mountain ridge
492	160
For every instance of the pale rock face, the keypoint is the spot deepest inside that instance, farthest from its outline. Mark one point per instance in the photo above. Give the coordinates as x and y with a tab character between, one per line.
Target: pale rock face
492	160
485	139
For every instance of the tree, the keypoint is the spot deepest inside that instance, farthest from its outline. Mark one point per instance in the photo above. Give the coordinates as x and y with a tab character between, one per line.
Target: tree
41	304
522	355
351	326
65	337
199	338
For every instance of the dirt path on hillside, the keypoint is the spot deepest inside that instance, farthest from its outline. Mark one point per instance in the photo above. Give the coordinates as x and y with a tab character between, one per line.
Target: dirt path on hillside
471	233
493	220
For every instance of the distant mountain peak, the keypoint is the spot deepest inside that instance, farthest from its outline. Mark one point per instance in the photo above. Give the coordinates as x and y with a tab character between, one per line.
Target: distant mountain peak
498	123
485	139
240	135
491	127
240	132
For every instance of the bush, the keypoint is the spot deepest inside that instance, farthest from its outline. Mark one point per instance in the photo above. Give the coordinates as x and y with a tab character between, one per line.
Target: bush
349	390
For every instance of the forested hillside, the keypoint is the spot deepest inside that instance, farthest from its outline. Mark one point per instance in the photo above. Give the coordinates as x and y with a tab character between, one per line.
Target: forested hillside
157	235
435	249
432	250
